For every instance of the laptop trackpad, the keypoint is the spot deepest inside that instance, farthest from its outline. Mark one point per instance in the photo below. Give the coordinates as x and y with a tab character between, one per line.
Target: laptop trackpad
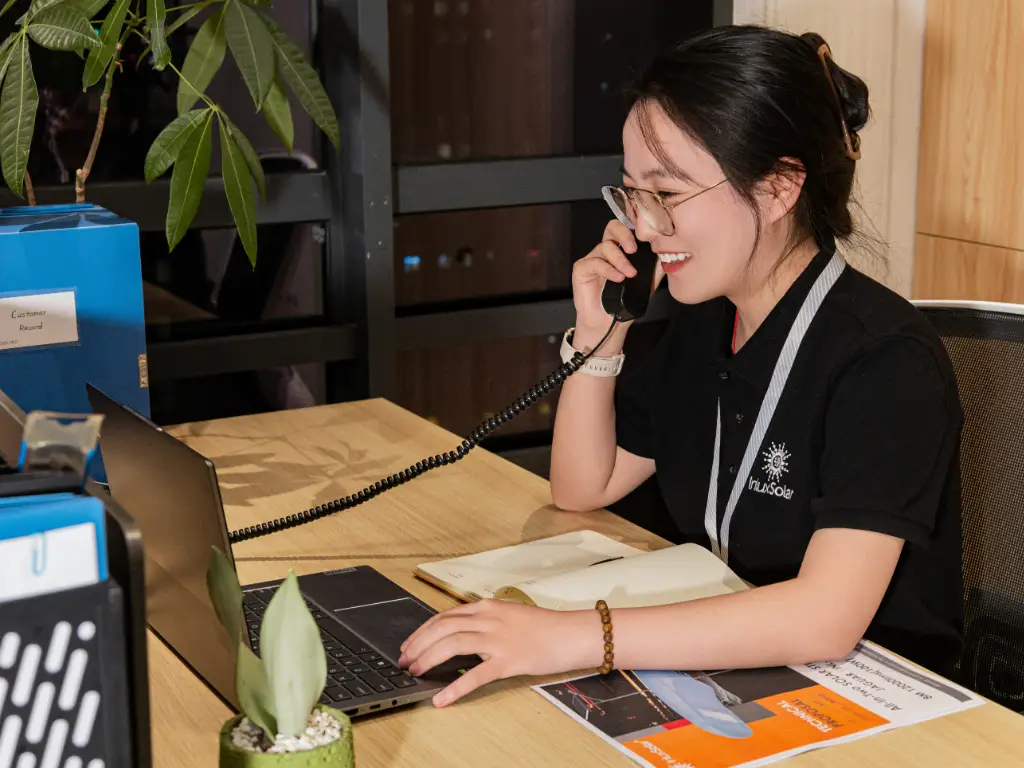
387	625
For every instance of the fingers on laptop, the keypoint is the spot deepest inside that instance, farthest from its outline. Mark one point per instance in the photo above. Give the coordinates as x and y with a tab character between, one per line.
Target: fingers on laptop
474	678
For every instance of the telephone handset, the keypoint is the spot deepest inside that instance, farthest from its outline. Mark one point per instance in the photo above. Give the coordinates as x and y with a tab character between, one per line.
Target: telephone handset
624	301
628	300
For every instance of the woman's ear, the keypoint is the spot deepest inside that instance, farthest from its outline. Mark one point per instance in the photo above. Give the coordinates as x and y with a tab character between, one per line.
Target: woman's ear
781	188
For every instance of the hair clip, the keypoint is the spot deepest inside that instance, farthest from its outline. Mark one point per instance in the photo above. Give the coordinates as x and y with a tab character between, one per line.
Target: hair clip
850	141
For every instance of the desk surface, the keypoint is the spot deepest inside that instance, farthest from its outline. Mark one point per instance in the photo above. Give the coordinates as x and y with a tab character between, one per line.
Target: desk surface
276	464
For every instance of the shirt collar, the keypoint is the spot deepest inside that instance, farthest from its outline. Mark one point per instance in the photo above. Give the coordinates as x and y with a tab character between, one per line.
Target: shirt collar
755	361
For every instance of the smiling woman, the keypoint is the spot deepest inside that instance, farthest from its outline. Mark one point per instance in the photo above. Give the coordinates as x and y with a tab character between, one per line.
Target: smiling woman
802	419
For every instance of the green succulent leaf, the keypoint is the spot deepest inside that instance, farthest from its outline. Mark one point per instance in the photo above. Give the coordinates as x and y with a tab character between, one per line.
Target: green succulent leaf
156	14
225	593
63	29
253	692
19	100
188	179
252	47
278	113
293	656
303	81
251	158
89	8
267	3
202	61
239	191
110	33
167	146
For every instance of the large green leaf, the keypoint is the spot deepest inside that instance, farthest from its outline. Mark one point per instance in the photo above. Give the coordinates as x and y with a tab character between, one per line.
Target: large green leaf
252	47
294	657
225	593
253	692
6	51
88	7
202	61
278	112
251	158
63	29
156	13
40	5
238	188
167	146
302	79
110	34
187	181
179	22
18	102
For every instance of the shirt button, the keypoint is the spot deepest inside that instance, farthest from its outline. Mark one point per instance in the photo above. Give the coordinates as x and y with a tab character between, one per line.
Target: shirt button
723	375
732	469
739	418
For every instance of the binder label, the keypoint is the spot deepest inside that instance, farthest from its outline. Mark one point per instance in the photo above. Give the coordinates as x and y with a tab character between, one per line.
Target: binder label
38	320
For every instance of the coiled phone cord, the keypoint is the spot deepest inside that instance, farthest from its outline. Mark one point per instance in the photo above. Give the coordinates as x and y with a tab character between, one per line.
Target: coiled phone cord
525	401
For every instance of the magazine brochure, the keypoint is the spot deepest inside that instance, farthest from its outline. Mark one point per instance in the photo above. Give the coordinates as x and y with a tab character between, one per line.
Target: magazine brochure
753	717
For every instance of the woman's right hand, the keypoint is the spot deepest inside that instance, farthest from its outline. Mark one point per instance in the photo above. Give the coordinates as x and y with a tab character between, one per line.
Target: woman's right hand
606	262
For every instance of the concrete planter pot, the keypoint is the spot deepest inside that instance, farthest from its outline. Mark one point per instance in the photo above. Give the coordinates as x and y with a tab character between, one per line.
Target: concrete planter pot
337	754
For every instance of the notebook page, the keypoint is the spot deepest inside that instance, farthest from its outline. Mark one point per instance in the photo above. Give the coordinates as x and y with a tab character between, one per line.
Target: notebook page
671	575
479	576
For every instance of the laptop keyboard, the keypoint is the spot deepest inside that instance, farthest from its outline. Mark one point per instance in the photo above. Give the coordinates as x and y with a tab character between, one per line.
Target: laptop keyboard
354	670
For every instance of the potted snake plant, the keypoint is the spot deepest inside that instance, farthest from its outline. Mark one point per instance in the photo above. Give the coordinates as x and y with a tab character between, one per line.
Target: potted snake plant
281	724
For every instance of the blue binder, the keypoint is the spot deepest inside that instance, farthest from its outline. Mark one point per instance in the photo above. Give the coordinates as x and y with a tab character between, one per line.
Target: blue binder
79	256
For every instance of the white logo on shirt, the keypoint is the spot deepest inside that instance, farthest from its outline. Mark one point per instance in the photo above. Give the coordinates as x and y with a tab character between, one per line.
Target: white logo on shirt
776	461
776	464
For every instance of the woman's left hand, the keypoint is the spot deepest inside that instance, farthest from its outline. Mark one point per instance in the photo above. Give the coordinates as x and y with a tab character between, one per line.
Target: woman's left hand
512	639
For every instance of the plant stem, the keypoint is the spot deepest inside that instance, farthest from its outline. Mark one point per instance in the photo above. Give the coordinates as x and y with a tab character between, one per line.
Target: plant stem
30	191
82	174
202	95
188	5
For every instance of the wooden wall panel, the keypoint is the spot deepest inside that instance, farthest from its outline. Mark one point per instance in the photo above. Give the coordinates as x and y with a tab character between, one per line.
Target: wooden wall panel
957	270
971	179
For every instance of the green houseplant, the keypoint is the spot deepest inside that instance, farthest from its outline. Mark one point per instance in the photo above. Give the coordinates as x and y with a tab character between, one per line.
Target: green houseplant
281	724
267	59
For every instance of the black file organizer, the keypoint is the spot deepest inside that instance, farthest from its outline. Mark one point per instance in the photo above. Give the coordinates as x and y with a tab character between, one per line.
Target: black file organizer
106	630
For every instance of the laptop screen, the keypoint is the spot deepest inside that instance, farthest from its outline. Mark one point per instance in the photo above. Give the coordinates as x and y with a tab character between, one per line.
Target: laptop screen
172	493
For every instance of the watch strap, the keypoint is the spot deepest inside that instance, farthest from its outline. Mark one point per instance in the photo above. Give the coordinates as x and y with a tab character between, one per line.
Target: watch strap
595	366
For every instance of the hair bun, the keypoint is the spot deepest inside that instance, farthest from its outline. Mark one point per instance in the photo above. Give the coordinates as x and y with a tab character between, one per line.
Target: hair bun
852	91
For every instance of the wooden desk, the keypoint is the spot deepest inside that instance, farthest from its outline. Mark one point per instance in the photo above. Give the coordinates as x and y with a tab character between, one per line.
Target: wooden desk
275	464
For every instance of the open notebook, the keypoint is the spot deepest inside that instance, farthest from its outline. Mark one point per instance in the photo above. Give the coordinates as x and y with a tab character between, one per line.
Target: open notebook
574	570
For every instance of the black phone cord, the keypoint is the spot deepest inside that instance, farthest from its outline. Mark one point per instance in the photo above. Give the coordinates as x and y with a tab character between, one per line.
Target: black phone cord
485	428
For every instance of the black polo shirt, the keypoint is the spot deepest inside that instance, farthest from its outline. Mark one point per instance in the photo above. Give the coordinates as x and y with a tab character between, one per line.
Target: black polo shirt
865	435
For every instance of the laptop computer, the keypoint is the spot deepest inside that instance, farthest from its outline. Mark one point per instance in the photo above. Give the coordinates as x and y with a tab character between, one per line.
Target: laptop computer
173	494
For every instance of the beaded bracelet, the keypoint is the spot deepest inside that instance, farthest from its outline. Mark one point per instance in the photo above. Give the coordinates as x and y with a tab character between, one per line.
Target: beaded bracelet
609	648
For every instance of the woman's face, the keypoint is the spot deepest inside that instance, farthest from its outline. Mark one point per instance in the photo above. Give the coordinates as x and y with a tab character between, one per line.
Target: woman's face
708	254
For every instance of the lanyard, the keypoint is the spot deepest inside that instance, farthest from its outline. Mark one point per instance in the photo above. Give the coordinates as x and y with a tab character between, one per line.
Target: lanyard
821	287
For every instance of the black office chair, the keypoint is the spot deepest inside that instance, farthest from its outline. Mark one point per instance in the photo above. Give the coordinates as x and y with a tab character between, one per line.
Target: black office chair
985	341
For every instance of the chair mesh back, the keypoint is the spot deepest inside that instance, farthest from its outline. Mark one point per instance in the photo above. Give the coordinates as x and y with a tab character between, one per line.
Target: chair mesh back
987	351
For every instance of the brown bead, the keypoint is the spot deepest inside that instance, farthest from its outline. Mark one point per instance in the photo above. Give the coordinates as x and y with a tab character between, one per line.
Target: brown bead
605	669
607	626
602	605
608	648
607	637
608	657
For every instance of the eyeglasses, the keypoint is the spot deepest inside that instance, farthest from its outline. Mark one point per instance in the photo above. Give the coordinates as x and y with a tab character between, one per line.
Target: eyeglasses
628	203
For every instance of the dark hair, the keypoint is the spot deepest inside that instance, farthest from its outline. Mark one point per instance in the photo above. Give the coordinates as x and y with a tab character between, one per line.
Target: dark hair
752	96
